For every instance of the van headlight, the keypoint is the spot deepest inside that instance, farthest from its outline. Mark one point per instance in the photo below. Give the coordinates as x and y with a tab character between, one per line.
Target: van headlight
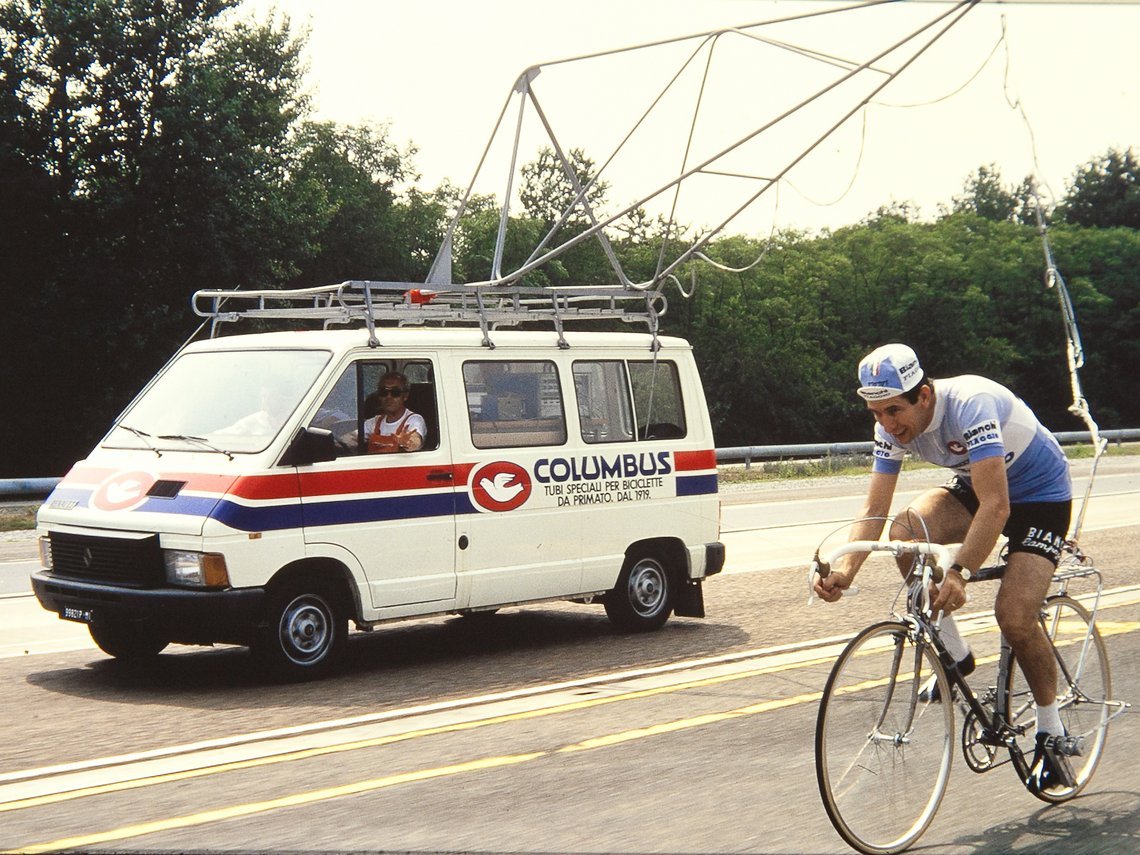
196	569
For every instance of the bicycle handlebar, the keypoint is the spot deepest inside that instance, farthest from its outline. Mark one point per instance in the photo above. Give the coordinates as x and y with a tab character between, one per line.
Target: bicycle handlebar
821	567
943	558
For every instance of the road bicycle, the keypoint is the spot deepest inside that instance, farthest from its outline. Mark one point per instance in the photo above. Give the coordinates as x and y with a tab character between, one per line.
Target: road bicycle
884	749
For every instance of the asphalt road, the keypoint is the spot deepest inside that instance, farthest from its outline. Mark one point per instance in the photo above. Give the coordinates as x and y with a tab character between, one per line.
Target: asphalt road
537	730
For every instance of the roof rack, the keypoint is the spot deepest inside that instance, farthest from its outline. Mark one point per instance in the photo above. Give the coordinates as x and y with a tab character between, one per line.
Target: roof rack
416	304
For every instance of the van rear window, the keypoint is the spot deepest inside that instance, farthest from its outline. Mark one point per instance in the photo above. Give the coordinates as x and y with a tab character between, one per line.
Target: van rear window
615	395
514	404
657	400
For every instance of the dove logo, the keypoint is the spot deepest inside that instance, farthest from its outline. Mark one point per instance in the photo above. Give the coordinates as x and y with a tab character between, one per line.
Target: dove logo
122	491
500	486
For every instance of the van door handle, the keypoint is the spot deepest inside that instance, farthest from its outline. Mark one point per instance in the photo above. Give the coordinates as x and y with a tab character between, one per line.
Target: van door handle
440	476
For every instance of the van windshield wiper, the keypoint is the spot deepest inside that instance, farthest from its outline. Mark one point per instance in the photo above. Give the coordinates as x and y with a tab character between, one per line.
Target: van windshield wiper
144	436
200	440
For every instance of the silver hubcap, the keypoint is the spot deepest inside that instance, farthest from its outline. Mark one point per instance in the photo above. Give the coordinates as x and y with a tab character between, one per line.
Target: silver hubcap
306	629
647	588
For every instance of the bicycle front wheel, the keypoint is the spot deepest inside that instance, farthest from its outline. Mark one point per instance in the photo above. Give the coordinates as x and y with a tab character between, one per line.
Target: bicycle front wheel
882	756
1083	687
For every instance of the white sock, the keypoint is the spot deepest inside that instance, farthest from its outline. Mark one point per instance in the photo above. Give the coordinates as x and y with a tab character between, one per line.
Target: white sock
952	640
1049	720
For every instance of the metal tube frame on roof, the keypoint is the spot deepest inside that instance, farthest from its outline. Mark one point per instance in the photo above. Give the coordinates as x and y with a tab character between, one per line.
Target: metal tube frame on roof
524	89
503	299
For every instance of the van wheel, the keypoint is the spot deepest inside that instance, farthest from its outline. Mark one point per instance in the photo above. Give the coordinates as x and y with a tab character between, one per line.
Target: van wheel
643	597
305	632
130	641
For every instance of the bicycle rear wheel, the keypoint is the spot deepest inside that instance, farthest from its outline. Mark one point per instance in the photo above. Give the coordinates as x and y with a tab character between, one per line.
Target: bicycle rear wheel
882	757
1083	686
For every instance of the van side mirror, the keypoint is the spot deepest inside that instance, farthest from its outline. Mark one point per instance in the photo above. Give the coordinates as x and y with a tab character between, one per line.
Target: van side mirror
310	445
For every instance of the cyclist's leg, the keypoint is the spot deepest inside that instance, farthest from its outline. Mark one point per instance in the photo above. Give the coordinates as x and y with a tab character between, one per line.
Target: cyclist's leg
1035	532
941	515
1083	690
1017	608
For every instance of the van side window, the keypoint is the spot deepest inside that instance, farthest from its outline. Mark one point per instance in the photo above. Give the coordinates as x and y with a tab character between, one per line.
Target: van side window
657	400
605	413
514	404
354	399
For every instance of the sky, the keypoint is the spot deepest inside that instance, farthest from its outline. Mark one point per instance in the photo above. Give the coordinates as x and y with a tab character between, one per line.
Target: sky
439	72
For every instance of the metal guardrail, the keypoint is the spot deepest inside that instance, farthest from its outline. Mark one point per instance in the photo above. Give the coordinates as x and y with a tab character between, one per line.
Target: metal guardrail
31	488
746	454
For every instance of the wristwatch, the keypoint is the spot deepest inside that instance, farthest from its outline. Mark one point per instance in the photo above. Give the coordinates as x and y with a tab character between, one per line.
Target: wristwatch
962	571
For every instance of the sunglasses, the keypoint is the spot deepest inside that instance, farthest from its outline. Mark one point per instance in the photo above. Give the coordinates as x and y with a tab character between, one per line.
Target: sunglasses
389	392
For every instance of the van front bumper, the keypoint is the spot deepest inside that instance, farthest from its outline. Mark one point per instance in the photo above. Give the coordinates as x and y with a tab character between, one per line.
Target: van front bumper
183	615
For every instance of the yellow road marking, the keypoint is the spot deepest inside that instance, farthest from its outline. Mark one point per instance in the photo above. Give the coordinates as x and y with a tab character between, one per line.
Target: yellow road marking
313	796
325	794
308	753
251	808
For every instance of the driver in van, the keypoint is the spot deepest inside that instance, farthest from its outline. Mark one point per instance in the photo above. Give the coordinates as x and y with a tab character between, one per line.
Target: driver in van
395	428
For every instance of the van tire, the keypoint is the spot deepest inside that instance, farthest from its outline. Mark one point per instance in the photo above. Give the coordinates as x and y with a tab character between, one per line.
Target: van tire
305	632
129	641
642	599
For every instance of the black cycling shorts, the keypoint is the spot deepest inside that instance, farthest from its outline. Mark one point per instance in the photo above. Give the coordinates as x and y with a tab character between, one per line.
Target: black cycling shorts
1036	527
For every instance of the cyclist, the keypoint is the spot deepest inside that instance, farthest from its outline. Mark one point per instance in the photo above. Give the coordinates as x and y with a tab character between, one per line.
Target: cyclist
1010	477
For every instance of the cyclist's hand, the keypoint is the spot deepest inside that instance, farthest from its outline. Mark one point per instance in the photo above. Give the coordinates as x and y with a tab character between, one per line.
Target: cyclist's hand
831	587
949	596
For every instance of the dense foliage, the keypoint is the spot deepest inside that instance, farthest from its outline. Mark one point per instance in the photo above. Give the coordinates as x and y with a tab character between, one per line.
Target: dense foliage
149	148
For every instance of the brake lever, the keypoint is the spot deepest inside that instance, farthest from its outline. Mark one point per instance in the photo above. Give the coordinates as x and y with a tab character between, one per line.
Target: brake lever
822	569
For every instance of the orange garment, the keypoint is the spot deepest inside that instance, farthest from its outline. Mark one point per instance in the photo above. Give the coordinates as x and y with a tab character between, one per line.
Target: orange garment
379	443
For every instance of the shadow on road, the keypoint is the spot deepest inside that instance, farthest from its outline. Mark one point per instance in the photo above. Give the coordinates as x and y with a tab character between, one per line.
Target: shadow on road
1100	822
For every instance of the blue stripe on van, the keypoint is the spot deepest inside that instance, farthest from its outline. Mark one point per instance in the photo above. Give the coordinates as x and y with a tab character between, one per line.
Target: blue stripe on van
193	506
262	518
379	509
344	512
696	485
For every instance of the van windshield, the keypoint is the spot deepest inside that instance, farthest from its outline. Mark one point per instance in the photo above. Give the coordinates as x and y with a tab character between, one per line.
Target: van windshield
225	401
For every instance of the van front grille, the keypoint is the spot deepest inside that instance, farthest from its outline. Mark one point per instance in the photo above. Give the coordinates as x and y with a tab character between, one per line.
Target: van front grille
133	562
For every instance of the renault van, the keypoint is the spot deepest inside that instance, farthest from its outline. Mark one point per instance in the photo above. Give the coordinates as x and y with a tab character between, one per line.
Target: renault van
237	499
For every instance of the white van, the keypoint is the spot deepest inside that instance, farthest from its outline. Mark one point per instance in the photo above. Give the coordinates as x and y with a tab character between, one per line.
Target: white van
235	500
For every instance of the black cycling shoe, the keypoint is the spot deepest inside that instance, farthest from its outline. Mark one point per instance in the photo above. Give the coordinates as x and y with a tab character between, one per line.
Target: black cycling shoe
931	694
1050	769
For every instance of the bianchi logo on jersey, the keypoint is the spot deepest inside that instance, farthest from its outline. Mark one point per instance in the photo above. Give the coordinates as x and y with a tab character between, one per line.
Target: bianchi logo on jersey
886	451
982	434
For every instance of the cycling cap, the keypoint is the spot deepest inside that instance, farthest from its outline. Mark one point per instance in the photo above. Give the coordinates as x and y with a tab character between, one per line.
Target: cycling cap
888	371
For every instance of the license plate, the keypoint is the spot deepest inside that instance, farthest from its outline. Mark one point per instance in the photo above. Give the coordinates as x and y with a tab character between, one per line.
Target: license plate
81	615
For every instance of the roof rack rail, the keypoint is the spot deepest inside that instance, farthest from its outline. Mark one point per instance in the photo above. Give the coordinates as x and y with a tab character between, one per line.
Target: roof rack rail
416	304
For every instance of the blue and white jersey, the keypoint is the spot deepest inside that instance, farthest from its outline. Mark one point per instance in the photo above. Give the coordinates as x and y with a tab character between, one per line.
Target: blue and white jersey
974	419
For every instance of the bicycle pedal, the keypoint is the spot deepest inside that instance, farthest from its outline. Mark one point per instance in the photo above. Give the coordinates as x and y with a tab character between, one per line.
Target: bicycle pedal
1069	746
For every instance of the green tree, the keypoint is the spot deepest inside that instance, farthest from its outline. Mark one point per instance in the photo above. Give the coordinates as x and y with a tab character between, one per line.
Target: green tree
373	226
151	143
1105	192
986	196
548	193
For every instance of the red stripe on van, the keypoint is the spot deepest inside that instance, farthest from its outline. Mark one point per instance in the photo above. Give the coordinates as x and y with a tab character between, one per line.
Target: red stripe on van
198	481
376	480
283	486
349	481
80	475
690	461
